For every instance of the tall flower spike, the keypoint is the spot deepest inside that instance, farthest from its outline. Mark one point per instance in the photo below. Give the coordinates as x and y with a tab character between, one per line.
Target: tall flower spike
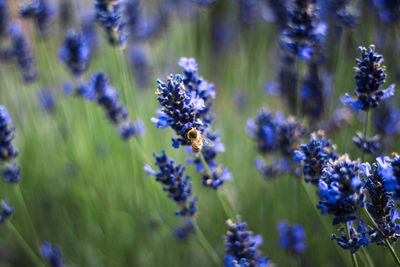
75	53
52	254
341	191
10	171
4	18
22	53
110	15
99	89
358	237
242	246
315	156
264	129
370	76
368	145
186	102
179	111
273	133
248	11
7	150
6	211
292	237
41	12
301	32
381	206
175	183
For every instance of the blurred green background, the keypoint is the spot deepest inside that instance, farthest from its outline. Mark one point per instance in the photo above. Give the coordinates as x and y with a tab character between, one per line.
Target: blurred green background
85	188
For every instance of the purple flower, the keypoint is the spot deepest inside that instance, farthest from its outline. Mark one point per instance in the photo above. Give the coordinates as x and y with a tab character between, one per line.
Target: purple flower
52	254
370	76
242	246
315	156
6	211
175	183
41	12
110	15
358	238
75	53
47	100
7	150
292	237
381	205
368	145
341	191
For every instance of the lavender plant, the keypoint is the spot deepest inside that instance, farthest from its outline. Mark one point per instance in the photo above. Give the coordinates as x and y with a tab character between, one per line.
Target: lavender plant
8	153
381	205
370	76
4	18
315	156
178	187
175	183
52	254
341	190
6	210
352	239
98	89
242	246
292	237
41	12
75	53
18	50
110	15
186	101
275	134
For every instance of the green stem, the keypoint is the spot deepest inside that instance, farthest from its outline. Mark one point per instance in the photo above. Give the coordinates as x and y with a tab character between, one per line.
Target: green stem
206	245
391	249
225	205
298	89
353	255
365	135
21	199
222	198
368	257
34	257
205	165
311	197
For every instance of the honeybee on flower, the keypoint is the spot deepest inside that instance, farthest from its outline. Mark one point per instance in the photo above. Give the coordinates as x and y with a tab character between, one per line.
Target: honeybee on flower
198	140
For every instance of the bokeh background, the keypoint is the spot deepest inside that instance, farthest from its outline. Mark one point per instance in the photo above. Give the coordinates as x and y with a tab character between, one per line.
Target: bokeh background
85	188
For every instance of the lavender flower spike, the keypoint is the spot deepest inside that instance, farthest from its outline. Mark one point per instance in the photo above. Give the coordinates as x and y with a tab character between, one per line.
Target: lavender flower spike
369	78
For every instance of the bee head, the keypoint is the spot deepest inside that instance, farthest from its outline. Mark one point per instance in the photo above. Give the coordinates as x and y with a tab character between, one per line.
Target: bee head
193	133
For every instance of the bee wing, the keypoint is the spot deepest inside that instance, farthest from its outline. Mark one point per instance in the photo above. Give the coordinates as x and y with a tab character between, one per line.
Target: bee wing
207	142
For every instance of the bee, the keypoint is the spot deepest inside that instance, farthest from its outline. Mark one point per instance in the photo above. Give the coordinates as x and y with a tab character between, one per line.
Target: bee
198	140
